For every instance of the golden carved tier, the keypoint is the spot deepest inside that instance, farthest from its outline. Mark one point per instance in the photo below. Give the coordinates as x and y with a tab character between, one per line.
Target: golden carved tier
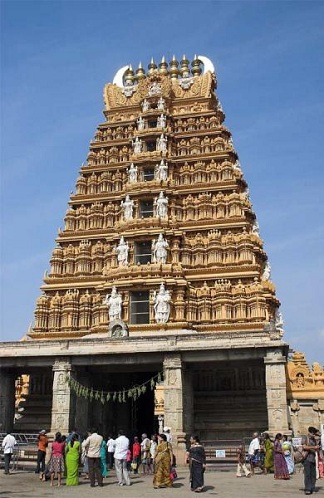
303	381
202	86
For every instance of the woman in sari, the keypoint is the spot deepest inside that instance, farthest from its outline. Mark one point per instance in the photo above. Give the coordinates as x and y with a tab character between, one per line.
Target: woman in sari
162	463
72	457
197	463
103	458
268	459
280	465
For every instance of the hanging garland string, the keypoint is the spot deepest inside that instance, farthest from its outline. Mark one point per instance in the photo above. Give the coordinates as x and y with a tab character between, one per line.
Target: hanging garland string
117	396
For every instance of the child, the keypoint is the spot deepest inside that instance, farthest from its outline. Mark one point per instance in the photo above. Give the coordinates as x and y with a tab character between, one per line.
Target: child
241	462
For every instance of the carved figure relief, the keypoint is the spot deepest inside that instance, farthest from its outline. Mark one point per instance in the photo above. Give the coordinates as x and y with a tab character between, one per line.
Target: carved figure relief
172	377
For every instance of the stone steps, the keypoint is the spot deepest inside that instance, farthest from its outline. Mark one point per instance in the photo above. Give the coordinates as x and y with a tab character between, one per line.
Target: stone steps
36	413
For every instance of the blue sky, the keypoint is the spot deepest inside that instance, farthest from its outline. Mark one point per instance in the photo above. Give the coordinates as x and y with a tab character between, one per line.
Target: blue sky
56	57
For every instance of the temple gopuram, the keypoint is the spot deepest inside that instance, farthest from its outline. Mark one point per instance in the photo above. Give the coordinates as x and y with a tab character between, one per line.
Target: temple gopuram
158	307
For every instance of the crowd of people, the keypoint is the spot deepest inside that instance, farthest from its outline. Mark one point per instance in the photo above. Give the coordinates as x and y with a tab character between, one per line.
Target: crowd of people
280	455
93	456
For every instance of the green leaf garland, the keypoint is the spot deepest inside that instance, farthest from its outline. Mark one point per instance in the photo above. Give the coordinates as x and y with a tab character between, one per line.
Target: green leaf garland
133	392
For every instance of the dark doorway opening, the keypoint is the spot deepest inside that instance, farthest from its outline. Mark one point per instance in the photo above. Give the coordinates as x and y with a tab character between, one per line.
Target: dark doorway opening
134	416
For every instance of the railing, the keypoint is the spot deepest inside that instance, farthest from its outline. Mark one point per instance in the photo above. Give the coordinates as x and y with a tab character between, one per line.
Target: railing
25	451
27	438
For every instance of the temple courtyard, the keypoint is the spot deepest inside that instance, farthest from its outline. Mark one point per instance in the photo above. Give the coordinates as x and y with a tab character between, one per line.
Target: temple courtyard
221	483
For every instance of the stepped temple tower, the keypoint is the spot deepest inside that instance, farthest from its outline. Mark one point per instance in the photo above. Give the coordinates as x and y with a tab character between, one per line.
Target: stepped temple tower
159	269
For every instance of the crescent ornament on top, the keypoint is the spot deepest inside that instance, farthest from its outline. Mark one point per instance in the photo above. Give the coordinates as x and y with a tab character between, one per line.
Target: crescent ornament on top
119	76
208	65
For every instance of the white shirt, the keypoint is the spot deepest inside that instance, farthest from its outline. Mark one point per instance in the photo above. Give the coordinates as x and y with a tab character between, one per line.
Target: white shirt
153	448
122	445
254	445
111	444
8	444
92	445
168	436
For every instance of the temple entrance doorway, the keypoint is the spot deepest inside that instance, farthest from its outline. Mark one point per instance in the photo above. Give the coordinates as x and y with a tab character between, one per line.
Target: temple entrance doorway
127	410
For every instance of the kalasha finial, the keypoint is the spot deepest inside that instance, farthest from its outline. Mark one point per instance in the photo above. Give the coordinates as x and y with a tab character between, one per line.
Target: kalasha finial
163	66
196	69
184	70
174	71
152	66
140	73
129	75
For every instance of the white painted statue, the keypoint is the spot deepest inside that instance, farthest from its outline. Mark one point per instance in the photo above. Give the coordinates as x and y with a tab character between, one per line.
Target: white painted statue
159	250
162	308
256	228
161	104
127	206
161	143
137	144
140	123
161	121
114	303
279	323
267	271
132	173
161	171
122	252
161	206
145	105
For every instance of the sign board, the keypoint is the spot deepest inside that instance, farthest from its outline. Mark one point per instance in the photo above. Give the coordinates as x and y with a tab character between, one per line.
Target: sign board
296	441
220	454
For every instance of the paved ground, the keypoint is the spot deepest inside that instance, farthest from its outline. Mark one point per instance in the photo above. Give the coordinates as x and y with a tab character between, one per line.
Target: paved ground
221	484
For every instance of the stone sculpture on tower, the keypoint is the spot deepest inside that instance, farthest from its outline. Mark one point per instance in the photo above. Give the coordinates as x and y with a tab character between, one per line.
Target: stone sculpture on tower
127	206
162	300
161	171
161	206
160	250
122	252
114	303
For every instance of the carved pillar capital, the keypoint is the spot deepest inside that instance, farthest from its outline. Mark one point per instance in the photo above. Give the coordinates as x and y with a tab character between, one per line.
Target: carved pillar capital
63	364
172	360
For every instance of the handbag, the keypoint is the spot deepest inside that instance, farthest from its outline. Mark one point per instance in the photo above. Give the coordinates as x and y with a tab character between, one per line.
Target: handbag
300	456
173	473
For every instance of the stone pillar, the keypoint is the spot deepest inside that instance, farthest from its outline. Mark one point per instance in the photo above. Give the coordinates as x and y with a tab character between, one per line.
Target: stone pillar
61	404
276	392
173	398
7	400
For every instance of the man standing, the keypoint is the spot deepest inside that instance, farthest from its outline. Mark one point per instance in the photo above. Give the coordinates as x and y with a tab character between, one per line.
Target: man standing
254	451
167	432
111	443
8	444
41	453
310	447
92	446
122	445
